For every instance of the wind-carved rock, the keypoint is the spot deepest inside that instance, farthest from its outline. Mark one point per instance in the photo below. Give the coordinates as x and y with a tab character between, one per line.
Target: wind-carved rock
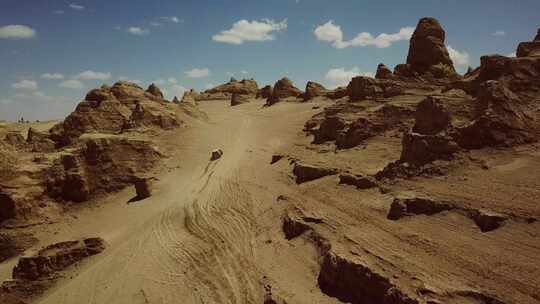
284	88
427	52
529	49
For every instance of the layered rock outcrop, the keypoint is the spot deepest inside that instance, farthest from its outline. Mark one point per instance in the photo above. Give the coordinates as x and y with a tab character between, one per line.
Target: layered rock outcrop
112	110
314	89
154	90
245	87
383	72
265	92
238	99
34	274
103	164
502	119
529	49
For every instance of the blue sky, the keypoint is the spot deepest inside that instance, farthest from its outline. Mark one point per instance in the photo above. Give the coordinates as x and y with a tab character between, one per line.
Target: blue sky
52	52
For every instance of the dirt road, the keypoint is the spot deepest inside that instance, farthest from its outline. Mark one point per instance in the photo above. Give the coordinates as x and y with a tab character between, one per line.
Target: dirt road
192	242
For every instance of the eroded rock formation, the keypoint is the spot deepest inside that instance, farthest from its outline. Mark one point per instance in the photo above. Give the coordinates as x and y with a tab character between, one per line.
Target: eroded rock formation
427	51
283	89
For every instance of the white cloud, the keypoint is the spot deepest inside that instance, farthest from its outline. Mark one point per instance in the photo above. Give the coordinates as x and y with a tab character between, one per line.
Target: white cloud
460	58
52	76
58	12
91	75
25	85
136	81
244	72
16	32
330	32
499	33
513	54
155	24
177	90
198	73
134	30
173	19
245	30
338	77
71	84
159	81
172	80
77	7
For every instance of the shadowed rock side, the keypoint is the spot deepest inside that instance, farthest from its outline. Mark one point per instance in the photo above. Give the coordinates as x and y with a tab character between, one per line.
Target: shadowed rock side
485	220
502	119
79	175
34	274
113	110
383	72
283	89
428	55
225	91
91	153
238	99
12	244
529	49
349	280
314	89
305	173
154	90
265	92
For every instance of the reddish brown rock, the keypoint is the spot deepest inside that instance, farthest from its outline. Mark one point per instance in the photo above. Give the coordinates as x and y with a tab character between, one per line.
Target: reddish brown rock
152	114
349	279
330	129
265	92
283	89
313	90
154	90
419	149
12	244
502	119
405	71
39	141
383	72
34	274
7	206
361	88
245	86
529	49
143	187
238	99
360	181
431	117
111	110
305	173
337	93
86	172
427	51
